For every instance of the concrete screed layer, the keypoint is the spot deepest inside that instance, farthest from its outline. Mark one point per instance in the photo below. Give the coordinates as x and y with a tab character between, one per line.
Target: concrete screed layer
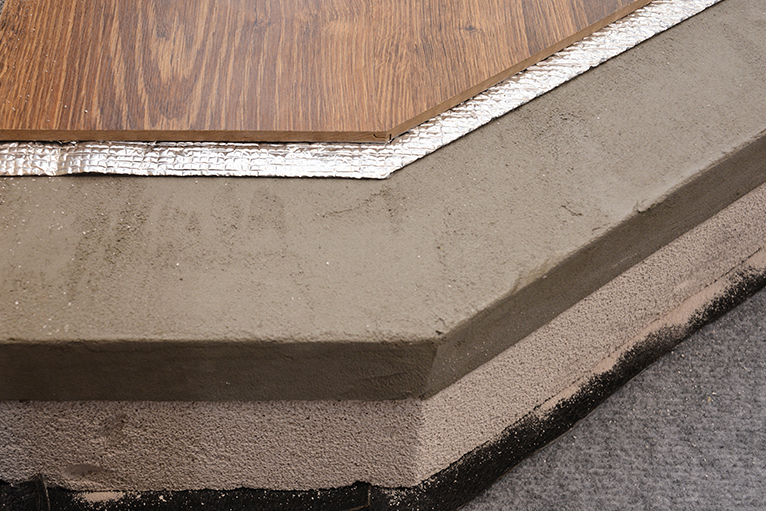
119	288
324	444
272	299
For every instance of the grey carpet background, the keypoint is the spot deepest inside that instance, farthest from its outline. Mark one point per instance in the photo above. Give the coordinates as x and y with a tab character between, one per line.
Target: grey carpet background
688	433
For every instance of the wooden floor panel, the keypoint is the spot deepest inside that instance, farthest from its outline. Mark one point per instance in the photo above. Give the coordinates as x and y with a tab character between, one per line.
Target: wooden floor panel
285	70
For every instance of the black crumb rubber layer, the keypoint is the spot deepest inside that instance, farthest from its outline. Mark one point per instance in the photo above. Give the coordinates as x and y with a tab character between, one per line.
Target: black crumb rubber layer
447	490
35	496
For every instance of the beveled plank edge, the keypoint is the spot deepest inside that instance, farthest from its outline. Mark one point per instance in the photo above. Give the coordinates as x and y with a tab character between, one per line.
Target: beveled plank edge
521	66
383	136
354	160
8	135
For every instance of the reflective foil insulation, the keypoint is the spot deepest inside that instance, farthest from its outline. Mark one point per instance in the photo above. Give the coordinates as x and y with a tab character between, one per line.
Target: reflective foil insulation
376	161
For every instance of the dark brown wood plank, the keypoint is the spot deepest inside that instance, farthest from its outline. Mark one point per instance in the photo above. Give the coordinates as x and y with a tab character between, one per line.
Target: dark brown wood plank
355	70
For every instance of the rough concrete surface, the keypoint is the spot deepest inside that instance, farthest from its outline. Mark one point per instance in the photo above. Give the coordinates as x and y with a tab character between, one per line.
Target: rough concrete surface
226	289
686	434
293	445
657	444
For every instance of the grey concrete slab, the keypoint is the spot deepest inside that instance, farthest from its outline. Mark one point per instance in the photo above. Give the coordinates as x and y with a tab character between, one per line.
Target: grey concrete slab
687	433
434	453
130	455
224	289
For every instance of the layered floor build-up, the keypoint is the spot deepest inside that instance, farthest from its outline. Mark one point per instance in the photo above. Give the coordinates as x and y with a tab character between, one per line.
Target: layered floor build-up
253	70
395	344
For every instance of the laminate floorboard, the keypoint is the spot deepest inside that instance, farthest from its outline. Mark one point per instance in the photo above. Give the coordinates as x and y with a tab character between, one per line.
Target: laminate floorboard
266	70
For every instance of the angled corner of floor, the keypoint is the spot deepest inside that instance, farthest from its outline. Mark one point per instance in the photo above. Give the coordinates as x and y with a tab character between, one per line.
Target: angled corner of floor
393	344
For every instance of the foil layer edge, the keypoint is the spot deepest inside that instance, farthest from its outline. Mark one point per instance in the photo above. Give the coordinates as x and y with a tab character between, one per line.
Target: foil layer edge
374	161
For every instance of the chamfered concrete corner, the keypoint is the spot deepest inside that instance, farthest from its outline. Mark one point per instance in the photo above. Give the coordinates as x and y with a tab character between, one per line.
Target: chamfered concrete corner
434	453
422	315
222	289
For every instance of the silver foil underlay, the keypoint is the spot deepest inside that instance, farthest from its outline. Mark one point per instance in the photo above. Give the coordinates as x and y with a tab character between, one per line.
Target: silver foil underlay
376	161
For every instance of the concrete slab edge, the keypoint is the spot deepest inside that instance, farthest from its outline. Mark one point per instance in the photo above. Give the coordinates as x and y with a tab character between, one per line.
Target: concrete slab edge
419	369
303	445
471	474
478	469
651	227
667	203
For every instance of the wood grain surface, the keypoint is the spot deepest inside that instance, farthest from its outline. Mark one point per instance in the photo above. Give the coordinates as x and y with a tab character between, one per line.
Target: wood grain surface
265	70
